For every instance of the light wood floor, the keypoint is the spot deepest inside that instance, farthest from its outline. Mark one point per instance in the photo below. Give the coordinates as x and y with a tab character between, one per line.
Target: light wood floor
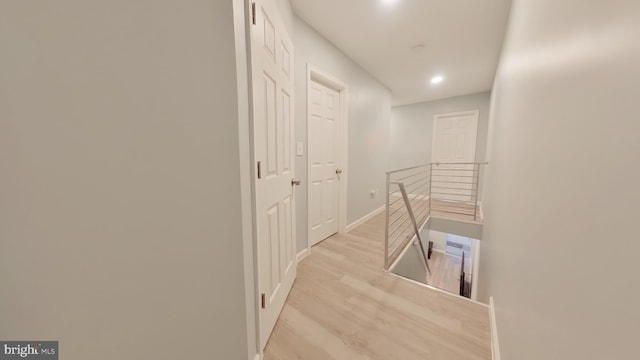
344	306
445	272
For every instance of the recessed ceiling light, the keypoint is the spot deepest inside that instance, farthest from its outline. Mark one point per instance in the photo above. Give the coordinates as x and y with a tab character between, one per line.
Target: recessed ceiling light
388	2
437	79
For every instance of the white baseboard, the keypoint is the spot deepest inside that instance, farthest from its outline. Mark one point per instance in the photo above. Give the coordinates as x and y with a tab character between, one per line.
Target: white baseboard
302	254
364	219
495	347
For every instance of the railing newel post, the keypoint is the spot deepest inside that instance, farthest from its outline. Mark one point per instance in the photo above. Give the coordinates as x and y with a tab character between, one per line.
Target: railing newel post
477	189
386	226
430	185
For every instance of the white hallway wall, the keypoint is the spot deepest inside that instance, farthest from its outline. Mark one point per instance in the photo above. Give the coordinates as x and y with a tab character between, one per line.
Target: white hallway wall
120	217
286	13
369	116
412	127
560	248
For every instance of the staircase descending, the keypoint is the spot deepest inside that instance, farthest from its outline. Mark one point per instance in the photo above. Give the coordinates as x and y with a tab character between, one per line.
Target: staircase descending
442	197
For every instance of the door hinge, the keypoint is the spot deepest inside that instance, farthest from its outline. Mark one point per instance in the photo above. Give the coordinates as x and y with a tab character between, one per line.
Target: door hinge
264	301
259	170
253	13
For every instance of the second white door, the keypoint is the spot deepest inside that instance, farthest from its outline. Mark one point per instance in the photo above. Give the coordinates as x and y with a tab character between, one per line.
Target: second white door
324	172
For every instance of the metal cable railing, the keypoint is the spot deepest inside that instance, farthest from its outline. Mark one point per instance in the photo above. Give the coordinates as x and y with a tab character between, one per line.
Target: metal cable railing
447	190
407	208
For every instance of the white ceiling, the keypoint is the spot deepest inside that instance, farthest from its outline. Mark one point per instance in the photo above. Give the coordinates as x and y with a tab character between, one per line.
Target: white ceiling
462	41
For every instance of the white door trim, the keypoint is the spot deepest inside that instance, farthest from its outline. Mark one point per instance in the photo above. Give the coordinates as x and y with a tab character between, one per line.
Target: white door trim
316	74
475	113
247	171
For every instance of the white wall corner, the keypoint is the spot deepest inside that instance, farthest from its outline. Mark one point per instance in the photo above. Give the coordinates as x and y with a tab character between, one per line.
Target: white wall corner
364	219
258	357
495	347
303	254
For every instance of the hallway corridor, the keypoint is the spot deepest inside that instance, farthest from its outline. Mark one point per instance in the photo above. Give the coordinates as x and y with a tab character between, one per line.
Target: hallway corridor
344	306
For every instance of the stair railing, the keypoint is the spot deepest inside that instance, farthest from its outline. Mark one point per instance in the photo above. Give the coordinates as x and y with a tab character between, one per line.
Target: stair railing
414	194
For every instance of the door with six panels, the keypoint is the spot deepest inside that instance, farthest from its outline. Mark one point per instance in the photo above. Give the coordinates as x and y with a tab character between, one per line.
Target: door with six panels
272	81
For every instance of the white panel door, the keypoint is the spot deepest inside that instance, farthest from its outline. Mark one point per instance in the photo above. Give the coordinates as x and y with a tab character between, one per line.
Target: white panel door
324	188
272	74
454	147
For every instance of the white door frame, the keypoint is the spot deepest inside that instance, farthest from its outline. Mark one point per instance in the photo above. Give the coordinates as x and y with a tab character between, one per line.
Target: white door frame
242	26
316	74
475	113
